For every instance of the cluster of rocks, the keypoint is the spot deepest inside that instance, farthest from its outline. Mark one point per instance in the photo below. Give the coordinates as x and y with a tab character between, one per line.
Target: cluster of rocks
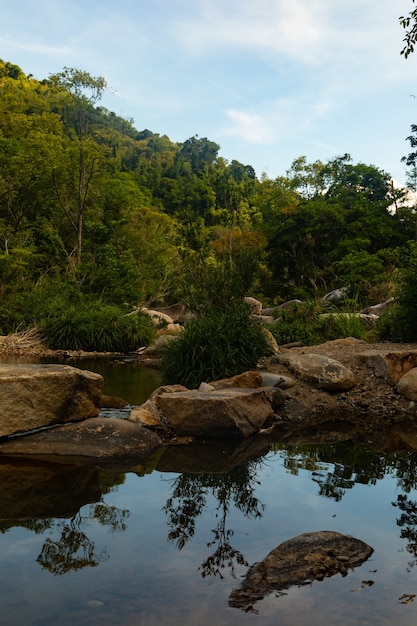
55	409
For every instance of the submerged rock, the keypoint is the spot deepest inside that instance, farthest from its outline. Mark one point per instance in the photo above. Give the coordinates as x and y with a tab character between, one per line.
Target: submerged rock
300	561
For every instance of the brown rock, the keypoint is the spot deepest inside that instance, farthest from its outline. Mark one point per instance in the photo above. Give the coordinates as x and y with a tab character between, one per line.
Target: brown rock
389	365
299	561
220	413
33	396
407	385
250	379
95	438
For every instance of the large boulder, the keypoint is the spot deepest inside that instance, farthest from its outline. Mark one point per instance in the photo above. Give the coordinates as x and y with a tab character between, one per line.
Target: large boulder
92	441
216	413
299	561
319	371
407	385
389	364
33	396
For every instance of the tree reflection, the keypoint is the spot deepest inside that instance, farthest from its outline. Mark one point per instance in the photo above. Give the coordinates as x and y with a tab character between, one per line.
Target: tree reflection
335	467
404	466
74	550
408	524
188	501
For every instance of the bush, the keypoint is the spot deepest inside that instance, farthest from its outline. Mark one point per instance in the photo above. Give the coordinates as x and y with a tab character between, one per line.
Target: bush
96	327
220	344
399	323
312	323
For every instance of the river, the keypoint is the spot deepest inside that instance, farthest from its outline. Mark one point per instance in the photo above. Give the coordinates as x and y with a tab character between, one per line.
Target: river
166	543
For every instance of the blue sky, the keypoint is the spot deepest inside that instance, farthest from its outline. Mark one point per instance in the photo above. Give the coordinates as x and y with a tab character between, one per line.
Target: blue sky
268	80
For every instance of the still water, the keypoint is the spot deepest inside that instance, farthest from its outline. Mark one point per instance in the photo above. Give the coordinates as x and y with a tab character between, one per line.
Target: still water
168	541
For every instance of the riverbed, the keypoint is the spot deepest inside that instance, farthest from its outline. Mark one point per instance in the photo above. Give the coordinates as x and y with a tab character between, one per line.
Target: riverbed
168	541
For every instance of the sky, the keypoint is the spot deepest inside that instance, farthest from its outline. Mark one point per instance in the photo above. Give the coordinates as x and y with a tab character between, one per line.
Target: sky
267	80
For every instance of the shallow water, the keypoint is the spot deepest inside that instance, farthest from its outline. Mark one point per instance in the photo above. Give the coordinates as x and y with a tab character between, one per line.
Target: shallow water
168	541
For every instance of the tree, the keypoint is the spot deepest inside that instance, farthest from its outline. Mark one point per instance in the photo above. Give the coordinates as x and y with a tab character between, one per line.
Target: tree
77	93
409	23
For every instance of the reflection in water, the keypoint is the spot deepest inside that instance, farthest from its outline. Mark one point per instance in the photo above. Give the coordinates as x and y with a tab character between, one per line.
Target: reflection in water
74	550
189	499
67	506
335	468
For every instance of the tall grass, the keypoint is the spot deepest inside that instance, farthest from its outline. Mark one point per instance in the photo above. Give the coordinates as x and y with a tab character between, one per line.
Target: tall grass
312	323
95	327
220	344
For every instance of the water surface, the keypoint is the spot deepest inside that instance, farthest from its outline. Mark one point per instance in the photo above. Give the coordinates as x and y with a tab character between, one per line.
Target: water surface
168	541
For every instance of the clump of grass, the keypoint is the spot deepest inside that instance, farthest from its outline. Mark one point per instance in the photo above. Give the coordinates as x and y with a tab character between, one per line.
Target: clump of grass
312	323
96	327
220	344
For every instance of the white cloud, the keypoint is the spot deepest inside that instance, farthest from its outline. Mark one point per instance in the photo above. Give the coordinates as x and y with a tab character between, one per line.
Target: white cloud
250	127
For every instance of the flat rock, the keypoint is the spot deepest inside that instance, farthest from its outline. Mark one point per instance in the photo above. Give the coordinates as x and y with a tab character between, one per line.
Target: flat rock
300	561
389	365
34	396
95	438
220	413
318	371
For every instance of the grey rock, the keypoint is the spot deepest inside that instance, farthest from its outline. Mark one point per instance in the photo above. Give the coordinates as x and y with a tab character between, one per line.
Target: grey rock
319	371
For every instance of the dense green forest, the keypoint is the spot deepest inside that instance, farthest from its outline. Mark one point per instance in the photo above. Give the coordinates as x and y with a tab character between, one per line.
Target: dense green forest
97	215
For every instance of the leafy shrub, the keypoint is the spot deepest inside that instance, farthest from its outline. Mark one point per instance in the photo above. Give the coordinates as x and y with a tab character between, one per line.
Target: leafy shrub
220	344
312	323
399	323
96	327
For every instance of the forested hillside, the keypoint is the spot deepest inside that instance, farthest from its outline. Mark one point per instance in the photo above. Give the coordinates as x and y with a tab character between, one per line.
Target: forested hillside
93	210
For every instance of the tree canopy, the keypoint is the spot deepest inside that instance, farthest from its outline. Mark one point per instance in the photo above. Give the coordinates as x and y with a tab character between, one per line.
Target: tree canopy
93	209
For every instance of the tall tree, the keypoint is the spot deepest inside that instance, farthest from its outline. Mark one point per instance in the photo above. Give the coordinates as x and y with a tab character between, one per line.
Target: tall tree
77	93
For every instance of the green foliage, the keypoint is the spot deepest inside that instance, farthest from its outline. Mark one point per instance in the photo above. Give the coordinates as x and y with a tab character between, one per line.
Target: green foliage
92	209
312	323
96	327
399	323
223	343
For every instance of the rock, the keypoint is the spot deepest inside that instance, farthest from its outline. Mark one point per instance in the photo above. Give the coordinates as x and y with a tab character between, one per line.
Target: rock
277	380
407	385
148	414
157	347
156	316
250	379
228	413
377	309
177	312
34	396
389	365
319	371
366	317
112	402
264	319
300	561
171	329
290	303
95	438
255	305
337	294
273	347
